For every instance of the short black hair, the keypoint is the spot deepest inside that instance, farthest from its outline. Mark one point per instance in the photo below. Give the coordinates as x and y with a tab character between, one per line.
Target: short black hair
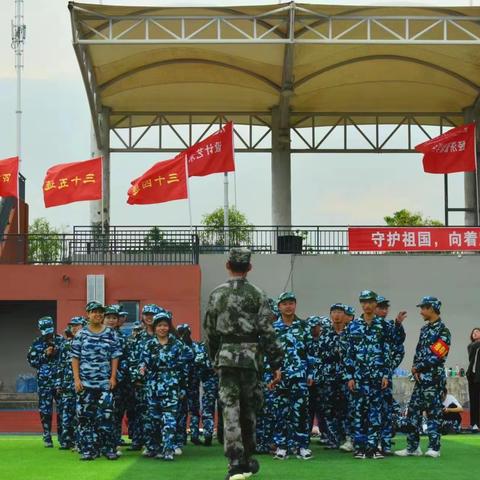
238	267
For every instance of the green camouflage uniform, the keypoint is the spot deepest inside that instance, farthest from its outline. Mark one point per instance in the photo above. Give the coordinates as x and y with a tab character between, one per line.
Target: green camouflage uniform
237	321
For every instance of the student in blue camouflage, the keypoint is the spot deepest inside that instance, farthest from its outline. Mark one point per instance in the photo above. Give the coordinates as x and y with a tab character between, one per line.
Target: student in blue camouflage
44	355
134	352
428	370
397	352
65	385
367	369
292	422
95	356
163	364
190	405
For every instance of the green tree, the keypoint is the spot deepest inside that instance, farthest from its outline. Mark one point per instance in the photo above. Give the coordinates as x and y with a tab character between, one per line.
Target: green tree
405	218
154	240
239	230
44	242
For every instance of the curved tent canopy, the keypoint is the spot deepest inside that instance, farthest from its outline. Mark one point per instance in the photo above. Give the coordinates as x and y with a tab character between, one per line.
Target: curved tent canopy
147	59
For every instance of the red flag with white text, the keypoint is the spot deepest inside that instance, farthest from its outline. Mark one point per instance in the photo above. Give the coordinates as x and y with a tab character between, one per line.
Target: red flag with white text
164	182
73	182
214	154
454	151
9	177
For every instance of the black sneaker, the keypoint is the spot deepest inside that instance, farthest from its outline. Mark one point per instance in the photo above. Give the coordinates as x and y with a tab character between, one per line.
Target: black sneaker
208	441
250	468
359	455
235	473
376	455
134	447
111	456
86	457
195	441
48	444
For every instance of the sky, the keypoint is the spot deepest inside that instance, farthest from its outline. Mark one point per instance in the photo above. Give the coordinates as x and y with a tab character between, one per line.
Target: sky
327	189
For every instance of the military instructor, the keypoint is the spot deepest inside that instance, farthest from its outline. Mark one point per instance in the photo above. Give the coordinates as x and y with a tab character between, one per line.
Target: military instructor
238	333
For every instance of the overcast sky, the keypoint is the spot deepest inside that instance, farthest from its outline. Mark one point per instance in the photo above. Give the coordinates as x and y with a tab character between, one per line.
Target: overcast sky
326	189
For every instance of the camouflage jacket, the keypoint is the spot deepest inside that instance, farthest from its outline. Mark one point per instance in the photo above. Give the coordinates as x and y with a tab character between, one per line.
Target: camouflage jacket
123	364
397	340
166	368
432	349
64	379
297	363
203	365
134	352
332	348
367	353
238	327
46	366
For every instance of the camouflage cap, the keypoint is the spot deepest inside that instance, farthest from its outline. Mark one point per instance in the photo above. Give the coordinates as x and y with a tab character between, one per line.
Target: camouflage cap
349	310
94	306
112	310
151	308
77	321
338	306
313	321
430	301
325	321
123	313
45	325
366	295
162	316
184	327
239	255
137	325
382	300
284	296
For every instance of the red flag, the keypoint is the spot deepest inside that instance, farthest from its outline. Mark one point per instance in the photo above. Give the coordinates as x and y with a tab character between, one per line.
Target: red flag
73	182
9	177
164	182
212	155
454	151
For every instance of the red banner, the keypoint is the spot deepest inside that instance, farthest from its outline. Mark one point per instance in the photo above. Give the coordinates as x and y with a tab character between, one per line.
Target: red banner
215	154
452	152
73	182
164	182
413	239
9	177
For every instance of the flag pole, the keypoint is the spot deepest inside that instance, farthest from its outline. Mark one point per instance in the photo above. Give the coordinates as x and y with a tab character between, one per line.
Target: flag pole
225	208
476	175
102	216
188	195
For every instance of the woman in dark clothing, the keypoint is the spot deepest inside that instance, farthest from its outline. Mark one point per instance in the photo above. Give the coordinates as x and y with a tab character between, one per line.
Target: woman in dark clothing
473	376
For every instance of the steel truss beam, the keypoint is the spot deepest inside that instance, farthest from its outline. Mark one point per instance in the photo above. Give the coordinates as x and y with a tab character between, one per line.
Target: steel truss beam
310	27
346	132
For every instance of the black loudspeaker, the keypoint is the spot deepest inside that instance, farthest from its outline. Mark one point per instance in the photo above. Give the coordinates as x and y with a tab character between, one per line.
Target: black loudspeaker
289	244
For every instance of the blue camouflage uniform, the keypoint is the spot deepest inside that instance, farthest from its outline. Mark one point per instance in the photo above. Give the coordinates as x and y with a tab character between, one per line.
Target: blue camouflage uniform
47	371
429	362
209	382
95	352
292	422
367	362
65	385
135	349
397	352
165	368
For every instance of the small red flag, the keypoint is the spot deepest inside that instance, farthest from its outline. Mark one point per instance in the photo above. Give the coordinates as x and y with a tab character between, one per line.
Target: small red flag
454	151
164	182
73	182
9	177
214	154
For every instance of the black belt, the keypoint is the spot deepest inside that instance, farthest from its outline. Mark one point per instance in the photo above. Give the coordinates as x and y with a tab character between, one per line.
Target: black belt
253	338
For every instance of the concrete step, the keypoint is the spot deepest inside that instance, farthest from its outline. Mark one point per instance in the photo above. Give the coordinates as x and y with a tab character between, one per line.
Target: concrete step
18	401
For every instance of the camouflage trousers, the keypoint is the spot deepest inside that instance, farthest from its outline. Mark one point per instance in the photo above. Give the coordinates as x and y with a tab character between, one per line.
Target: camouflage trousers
367	419
387	431
426	397
240	395
95	421
291	415
209	399
266	422
335	410
136	427
123	402
68	420
161	424
46	396
189	407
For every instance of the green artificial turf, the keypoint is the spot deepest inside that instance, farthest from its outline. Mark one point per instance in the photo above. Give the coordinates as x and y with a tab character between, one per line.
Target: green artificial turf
25	458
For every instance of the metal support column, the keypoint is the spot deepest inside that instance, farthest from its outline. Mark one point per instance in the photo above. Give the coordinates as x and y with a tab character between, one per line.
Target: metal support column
100	209
471	184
